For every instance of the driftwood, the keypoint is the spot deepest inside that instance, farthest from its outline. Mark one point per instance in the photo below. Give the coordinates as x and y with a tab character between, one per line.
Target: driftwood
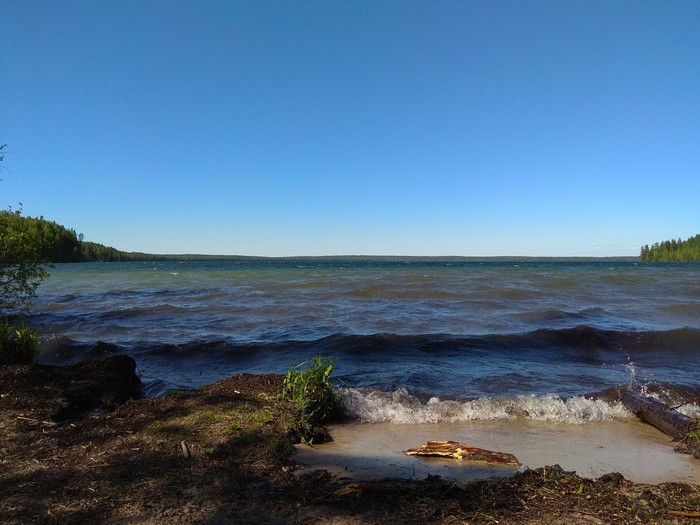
652	411
453	449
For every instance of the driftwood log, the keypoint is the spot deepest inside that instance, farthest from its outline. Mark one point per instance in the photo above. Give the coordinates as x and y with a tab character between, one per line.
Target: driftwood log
455	450
652	411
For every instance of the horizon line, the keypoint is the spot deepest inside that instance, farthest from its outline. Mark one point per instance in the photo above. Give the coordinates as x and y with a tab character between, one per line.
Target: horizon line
367	256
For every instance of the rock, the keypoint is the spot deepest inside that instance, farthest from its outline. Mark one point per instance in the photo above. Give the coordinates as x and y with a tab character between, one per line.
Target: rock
96	384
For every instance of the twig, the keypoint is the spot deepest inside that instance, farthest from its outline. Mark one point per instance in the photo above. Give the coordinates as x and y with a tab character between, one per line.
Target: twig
685	513
694	400
450	488
49	423
414	473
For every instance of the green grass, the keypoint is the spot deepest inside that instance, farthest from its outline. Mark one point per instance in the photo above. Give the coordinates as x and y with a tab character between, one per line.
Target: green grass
208	417
170	428
272	423
18	344
242	433
262	416
695	433
308	386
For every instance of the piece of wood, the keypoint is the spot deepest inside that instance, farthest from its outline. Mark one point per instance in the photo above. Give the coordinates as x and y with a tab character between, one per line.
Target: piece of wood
652	411
47	423
456	450
377	487
685	513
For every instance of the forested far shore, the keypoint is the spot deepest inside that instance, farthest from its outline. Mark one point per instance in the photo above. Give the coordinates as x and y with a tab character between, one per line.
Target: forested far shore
54	243
48	242
672	251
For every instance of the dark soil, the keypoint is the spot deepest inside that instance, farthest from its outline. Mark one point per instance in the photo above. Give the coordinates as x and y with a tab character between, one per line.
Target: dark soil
223	455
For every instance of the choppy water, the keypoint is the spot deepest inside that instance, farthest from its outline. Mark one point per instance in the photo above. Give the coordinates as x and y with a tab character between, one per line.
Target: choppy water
416	340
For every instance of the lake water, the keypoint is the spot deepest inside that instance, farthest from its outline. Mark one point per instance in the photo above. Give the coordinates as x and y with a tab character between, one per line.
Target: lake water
416	341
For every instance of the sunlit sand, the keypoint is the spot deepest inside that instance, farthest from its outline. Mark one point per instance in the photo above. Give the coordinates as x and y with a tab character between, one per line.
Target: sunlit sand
373	451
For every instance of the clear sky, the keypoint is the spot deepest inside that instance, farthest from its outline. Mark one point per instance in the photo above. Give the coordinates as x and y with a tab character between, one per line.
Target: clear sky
355	127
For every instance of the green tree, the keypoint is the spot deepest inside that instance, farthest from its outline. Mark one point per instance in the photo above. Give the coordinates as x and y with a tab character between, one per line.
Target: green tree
21	268
21	272
672	251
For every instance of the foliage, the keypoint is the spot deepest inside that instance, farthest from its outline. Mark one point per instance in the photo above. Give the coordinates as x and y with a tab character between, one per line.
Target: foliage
54	243
21	268
18	344
695	434
308	385
672	251
21	272
92	251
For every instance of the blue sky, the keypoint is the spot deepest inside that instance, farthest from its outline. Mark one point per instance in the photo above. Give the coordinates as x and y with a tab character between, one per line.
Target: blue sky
365	127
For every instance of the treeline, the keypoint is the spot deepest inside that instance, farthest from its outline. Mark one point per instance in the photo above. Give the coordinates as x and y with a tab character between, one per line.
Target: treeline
48	242
672	251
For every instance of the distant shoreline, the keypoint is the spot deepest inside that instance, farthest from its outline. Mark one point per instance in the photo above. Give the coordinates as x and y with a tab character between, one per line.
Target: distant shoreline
141	257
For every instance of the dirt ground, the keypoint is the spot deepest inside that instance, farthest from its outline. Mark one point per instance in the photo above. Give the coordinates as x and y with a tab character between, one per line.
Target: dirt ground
71	451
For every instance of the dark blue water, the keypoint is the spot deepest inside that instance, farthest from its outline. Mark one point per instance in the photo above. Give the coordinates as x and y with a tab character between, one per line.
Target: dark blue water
404	331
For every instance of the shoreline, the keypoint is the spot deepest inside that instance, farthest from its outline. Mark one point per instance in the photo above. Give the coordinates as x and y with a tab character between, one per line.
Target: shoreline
642	454
222	454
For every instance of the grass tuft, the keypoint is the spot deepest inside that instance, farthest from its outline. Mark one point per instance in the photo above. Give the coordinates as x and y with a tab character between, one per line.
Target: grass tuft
18	344
308	386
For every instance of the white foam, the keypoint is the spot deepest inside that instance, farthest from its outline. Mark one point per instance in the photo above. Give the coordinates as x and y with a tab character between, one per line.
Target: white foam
374	406
692	410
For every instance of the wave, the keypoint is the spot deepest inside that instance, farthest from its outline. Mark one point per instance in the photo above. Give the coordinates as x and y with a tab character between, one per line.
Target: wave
581	343
399	406
548	342
568	363
544	340
404	407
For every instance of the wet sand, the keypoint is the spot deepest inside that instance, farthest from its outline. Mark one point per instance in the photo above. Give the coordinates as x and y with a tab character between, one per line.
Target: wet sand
373	451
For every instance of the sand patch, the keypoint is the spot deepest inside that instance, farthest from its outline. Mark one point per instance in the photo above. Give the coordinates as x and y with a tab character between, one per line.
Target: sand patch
636	450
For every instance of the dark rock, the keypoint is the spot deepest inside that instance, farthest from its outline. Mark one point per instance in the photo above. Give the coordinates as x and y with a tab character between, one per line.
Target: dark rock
613	477
320	435
96	384
101	350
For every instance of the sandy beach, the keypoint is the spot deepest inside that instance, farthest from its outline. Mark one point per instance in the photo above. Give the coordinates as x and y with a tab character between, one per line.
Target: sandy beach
634	449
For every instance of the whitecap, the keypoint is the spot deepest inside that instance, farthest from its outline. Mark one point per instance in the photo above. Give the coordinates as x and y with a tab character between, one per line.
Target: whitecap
376	406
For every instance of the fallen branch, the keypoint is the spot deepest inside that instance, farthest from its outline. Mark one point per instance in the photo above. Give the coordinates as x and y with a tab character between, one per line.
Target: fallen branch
455	450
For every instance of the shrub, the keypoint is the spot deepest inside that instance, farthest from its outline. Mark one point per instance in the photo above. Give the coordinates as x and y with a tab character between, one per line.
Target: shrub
18	344
695	434
308	385
21	268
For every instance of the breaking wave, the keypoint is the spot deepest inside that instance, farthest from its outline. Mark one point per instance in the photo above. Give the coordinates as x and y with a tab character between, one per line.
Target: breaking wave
399	406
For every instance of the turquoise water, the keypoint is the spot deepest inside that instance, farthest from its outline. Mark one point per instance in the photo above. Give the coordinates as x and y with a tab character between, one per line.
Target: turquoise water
177	302
455	329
